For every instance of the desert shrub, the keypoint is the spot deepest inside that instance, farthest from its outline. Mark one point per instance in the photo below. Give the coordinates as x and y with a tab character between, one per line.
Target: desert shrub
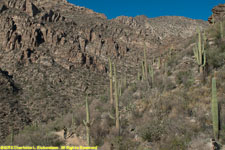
220	78
133	87
104	98
168	84
123	143
216	56
158	82
215	32
175	143
128	95
98	134
222	134
35	136
152	131
184	77
173	61
68	120
222	118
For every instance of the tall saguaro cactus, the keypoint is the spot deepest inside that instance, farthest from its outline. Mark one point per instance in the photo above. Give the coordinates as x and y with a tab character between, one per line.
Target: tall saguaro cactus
143	70
72	119
117	102
215	113
151	72
111	81
145	64
159	62
199	52
138	76
12	137
221	29
87	123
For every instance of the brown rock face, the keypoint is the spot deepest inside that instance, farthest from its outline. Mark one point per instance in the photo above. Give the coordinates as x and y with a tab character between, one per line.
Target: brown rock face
57	53
218	14
2	7
31	9
162	28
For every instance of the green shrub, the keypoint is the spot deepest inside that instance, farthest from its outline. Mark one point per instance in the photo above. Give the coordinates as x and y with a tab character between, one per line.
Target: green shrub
123	143
104	98
175	143
216	56
184	77
152	131
168	84
172	61
34	136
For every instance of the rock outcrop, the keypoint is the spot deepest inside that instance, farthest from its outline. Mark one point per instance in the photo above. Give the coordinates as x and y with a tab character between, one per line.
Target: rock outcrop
218	14
162	28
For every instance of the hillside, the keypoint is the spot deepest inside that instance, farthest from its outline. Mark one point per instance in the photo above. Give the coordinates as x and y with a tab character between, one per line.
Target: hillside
54	54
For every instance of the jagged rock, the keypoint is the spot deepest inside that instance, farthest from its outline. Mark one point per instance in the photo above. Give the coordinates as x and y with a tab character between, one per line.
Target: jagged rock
31	9
218	14
2	7
18	4
52	17
130	21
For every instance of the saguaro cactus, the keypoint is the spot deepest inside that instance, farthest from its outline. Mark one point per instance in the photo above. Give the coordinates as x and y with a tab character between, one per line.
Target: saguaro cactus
72	119
111	81
87	123
159	63
117	102
125	82
215	113
12	137
221	30
199	52
143	70
138	76
120	88
213	19
151	72
145	63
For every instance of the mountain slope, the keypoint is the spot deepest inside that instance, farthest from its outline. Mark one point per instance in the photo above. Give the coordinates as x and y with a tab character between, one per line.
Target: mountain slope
57	53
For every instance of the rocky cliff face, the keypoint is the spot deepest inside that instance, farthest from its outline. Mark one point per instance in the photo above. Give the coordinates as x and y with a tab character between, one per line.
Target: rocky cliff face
56	53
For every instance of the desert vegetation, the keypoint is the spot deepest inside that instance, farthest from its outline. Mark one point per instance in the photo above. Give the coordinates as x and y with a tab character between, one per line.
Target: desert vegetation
110	83
166	107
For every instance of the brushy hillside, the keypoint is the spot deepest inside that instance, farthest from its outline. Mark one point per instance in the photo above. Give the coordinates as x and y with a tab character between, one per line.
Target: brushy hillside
148	82
168	110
